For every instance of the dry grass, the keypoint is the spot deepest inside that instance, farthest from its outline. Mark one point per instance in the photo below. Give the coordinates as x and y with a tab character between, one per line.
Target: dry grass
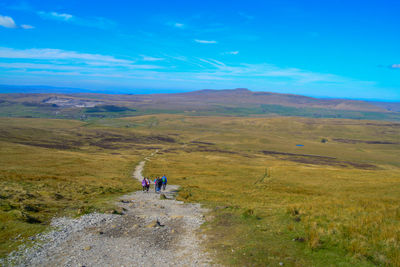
40	178
336	215
317	205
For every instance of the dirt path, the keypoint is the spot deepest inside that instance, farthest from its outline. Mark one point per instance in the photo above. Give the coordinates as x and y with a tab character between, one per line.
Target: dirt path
151	232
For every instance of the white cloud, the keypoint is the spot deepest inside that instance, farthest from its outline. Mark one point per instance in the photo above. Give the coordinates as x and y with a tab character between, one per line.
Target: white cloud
7	22
27	27
205	41
231	53
55	15
148	58
213	62
95	22
179	25
395	66
44	63
56	62
49	54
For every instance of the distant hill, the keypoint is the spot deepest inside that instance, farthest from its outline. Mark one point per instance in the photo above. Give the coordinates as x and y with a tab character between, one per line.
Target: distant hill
245	97
388	106
229	102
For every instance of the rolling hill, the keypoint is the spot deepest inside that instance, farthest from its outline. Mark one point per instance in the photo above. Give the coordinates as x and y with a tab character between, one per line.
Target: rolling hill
237	102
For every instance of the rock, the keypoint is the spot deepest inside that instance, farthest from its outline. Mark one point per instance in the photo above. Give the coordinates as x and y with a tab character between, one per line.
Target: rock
281	264
152	224
299	239
162	196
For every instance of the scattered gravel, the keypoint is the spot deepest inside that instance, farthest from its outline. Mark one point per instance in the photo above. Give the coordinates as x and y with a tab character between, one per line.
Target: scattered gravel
151	232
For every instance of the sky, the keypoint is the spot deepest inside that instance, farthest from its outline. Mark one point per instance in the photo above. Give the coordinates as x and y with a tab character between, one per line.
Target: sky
336	49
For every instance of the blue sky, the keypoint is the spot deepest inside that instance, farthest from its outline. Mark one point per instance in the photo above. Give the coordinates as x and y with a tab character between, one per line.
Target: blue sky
319	48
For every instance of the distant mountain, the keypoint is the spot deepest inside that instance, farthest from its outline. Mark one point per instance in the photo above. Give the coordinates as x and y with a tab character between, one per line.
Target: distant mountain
228	102
245	97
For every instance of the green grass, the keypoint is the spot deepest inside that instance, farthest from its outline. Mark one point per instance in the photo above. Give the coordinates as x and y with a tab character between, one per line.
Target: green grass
39	110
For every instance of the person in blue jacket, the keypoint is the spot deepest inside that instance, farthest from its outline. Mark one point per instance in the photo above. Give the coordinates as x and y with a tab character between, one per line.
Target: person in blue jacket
164	182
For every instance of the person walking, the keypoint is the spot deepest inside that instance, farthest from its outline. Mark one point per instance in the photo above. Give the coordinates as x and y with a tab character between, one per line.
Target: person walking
159	184
144	184
147	184
155	184
164	182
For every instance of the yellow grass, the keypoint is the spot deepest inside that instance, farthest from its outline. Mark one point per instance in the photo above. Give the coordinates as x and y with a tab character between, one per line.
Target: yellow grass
345	215
324	204
38	183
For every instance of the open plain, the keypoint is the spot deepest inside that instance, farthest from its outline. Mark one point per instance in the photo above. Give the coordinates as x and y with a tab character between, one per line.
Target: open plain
290	190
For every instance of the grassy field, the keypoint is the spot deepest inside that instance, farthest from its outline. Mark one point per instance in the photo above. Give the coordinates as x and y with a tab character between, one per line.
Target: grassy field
332	203
30	106
58	167
302	191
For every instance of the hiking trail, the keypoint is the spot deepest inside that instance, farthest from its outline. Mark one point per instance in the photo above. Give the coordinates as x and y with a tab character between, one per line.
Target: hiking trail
151	232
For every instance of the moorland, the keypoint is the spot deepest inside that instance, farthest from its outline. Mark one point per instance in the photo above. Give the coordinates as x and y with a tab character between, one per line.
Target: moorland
304	181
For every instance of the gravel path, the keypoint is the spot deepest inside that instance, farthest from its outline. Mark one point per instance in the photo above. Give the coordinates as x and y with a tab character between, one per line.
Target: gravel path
151	232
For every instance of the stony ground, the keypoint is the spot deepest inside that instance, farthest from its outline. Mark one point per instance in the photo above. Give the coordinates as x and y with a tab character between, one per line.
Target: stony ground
150	232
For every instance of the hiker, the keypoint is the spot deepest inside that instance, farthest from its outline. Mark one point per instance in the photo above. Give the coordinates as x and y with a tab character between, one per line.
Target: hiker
164	182
147	184
144	184
159	184
155	184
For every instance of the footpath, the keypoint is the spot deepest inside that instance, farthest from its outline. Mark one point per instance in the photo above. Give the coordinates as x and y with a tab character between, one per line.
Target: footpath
150	232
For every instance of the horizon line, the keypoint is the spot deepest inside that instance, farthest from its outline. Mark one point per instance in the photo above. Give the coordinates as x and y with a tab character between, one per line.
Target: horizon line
148	91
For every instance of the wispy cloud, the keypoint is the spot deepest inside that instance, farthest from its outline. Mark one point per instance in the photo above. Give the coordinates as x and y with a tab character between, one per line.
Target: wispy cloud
179	25
57	62
148	58
205	41
41	64
55	16
7	22
27	27
50	54
95	22
231	53
393	66
213	62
